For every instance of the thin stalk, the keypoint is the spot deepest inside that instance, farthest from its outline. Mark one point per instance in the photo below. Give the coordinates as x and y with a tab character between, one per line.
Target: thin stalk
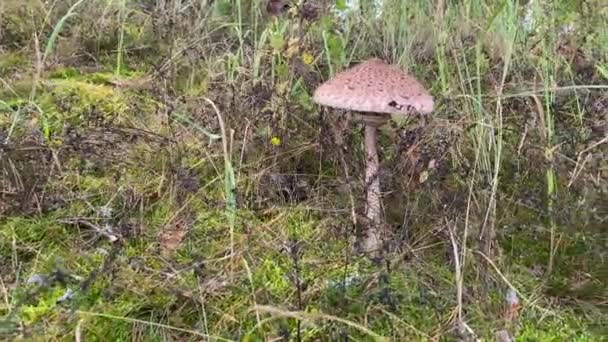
548	71
229	179
121	38
372	182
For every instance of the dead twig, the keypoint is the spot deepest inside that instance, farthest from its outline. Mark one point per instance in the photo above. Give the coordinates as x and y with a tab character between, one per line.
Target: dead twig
106	230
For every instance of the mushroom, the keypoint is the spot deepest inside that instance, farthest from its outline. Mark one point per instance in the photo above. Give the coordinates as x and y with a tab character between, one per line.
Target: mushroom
374	90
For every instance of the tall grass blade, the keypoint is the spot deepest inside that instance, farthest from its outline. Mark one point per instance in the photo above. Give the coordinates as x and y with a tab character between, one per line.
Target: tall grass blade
229	178
50	44
121	39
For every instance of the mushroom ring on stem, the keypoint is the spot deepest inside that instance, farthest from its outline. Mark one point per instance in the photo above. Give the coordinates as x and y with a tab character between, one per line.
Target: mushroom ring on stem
374	90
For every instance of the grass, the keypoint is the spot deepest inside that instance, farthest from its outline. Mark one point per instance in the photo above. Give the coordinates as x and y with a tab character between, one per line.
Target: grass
165	175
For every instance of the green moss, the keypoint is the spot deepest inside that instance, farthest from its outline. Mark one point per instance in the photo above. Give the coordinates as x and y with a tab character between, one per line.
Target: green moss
64	73
300	225
100	78
272	276
11	62
23	233
553	330
44	307
79	104
84	94
16	91
77	100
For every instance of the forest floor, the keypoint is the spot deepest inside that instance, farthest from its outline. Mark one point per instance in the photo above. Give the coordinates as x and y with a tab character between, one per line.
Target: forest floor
165	174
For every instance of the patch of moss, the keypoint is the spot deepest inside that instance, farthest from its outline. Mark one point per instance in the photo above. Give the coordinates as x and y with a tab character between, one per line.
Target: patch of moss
300	225
272	276
11	62
64	73
79	104
529	246
17	91
43	308
100	78
24	233
560	329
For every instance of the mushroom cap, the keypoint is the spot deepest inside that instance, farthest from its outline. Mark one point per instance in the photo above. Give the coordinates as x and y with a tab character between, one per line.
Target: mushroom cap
376	87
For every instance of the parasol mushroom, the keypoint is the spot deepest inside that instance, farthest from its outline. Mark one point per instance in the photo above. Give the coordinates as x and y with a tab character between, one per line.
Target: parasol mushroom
374	90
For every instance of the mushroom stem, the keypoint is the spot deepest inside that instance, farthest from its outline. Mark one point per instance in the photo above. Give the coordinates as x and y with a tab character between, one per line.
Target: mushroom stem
371	241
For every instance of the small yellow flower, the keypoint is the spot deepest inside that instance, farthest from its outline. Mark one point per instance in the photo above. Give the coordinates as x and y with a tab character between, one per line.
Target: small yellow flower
275	141
307	58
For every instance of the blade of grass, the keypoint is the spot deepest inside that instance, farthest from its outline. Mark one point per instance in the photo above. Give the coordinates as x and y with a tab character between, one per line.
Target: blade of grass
50	44
229	178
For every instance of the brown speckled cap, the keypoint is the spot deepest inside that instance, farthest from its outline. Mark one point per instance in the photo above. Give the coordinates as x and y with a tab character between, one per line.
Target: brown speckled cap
376	87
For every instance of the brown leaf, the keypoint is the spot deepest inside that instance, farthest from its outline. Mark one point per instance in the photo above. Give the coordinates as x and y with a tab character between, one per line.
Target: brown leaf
173	234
